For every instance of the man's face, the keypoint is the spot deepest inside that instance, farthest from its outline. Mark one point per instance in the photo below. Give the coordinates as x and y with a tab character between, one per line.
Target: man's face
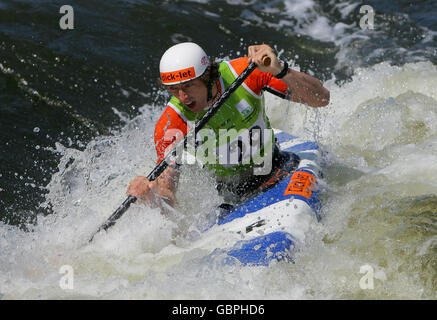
193	94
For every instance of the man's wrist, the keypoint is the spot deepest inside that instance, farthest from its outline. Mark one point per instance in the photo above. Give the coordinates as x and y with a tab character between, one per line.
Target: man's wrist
283	72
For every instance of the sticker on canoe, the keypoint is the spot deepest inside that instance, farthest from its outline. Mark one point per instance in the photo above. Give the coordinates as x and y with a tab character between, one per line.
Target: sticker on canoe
301	184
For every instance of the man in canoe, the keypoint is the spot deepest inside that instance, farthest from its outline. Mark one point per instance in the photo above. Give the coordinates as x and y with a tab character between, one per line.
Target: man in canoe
195	84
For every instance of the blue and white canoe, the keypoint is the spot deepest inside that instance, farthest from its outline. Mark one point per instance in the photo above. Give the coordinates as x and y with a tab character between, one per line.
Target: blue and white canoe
271	225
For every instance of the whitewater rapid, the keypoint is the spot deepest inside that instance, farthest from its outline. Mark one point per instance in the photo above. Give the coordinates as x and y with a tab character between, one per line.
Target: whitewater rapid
379	192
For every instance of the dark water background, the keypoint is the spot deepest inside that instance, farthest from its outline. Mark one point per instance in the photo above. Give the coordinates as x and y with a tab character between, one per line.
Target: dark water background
63	85
77	110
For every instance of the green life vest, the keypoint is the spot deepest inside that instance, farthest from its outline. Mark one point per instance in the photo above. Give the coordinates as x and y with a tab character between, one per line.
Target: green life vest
237	136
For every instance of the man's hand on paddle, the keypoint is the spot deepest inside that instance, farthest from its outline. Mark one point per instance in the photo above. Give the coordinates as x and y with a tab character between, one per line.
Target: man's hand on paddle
143	189
303	87
151	192
258	52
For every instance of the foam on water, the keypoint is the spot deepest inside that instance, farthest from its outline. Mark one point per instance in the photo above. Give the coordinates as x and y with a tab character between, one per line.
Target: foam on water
379	133
338	22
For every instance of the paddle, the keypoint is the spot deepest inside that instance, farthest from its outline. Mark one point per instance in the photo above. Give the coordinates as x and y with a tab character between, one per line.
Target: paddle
199	125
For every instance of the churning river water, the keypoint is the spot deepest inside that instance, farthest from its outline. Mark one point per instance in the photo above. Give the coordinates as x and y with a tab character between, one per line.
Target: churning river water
77	114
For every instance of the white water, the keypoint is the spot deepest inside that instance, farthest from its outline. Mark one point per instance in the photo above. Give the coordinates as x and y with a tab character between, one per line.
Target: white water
379	133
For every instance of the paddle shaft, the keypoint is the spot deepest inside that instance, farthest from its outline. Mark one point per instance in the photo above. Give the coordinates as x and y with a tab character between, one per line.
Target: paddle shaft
156	172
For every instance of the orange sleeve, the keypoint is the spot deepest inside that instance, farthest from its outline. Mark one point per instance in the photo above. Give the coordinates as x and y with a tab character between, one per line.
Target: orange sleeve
259	81
169	129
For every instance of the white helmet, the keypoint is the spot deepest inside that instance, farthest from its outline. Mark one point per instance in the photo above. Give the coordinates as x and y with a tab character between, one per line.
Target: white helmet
182	62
